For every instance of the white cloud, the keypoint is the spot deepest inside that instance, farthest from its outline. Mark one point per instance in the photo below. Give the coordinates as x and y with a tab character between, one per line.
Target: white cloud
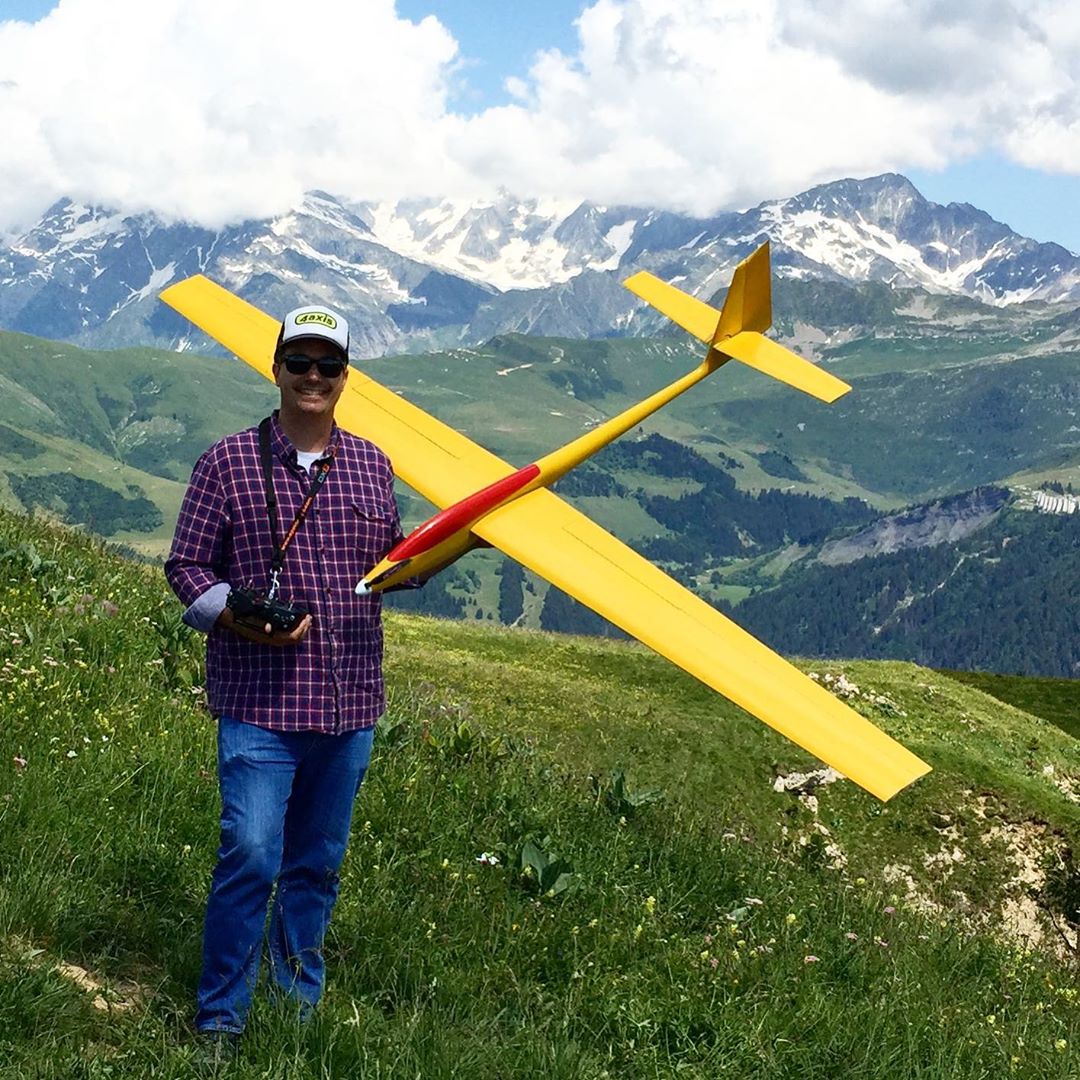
709	103
213	109
219	109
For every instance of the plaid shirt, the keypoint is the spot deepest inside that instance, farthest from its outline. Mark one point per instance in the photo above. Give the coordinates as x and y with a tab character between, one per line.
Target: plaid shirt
332	680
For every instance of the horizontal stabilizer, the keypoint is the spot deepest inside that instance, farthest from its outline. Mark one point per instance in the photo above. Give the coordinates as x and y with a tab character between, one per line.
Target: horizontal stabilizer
765	355
693	315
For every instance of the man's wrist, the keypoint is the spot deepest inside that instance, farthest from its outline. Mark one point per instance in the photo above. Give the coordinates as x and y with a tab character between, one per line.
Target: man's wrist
206	610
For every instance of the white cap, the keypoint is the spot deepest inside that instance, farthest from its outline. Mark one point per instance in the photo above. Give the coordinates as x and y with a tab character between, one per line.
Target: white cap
315	322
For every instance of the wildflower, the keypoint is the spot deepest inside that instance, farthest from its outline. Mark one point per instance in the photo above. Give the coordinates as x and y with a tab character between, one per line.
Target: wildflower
487	858
20	762
708	939
851	936
811	959
1061	1045
650	905
72	753
753	901
791	918
991	1019
704	954
446	864
890	910
638	931
594	923
714	963
882	942
860	881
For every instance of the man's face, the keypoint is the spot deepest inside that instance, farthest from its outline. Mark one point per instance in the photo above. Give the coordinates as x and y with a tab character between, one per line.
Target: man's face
310	394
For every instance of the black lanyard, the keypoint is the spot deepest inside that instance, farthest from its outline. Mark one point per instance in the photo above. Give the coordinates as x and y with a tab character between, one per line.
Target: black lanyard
322	471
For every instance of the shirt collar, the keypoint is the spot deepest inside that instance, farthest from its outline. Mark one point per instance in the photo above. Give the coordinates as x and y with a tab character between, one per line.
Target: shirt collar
279	441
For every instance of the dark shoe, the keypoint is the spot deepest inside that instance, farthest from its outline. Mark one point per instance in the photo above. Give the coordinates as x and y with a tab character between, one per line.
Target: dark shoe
215	1050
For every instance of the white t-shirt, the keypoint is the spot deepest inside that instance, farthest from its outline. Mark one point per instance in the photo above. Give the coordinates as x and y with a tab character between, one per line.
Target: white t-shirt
307	458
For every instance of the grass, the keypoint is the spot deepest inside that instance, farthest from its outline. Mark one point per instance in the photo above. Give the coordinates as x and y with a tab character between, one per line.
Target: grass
1056	700
715	930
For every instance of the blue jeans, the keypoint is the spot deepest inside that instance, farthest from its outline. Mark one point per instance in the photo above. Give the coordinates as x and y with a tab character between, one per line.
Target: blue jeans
286	807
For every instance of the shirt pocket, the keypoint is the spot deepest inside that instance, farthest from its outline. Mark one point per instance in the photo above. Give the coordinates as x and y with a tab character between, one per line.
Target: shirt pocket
375	532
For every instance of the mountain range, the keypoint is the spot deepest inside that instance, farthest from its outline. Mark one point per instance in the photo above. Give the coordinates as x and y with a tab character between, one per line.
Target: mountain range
421	274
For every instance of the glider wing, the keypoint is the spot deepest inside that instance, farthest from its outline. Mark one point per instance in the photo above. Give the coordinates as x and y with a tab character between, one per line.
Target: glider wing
431	457
554	540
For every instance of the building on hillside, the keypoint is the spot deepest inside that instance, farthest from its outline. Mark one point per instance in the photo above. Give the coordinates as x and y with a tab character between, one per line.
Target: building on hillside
1052	503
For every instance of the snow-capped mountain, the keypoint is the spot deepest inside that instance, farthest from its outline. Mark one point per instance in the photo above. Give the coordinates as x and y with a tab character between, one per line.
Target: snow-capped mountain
509	243
419	273
90	276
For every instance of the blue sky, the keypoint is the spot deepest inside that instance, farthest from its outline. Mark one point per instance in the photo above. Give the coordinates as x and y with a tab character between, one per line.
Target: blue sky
497	40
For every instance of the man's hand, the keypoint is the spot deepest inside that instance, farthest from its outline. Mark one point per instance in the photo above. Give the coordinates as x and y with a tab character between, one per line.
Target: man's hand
268	635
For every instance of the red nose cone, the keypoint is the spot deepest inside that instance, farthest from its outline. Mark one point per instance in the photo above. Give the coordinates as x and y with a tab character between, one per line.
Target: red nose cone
455	518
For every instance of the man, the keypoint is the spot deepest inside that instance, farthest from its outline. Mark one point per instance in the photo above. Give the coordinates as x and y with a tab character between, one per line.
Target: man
295	708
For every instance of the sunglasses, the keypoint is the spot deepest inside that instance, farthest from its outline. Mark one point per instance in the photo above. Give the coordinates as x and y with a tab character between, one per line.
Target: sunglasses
329	368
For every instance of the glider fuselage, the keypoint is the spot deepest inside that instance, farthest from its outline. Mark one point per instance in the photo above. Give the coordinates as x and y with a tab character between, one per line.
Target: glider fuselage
448	535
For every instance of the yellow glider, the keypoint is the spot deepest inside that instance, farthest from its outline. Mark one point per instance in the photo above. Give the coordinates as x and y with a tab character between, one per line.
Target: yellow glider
484	499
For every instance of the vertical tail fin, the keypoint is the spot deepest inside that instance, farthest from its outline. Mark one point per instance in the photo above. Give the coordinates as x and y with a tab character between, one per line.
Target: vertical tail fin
748	304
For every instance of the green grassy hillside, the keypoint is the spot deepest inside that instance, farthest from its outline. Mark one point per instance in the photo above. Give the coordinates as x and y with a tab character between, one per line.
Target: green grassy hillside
108	439
1056	700
650	905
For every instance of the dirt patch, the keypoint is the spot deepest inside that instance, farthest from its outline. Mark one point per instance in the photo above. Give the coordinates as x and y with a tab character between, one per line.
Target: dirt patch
124	996
121	998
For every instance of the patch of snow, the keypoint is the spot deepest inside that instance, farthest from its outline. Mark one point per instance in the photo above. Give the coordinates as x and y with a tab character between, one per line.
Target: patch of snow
618	238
